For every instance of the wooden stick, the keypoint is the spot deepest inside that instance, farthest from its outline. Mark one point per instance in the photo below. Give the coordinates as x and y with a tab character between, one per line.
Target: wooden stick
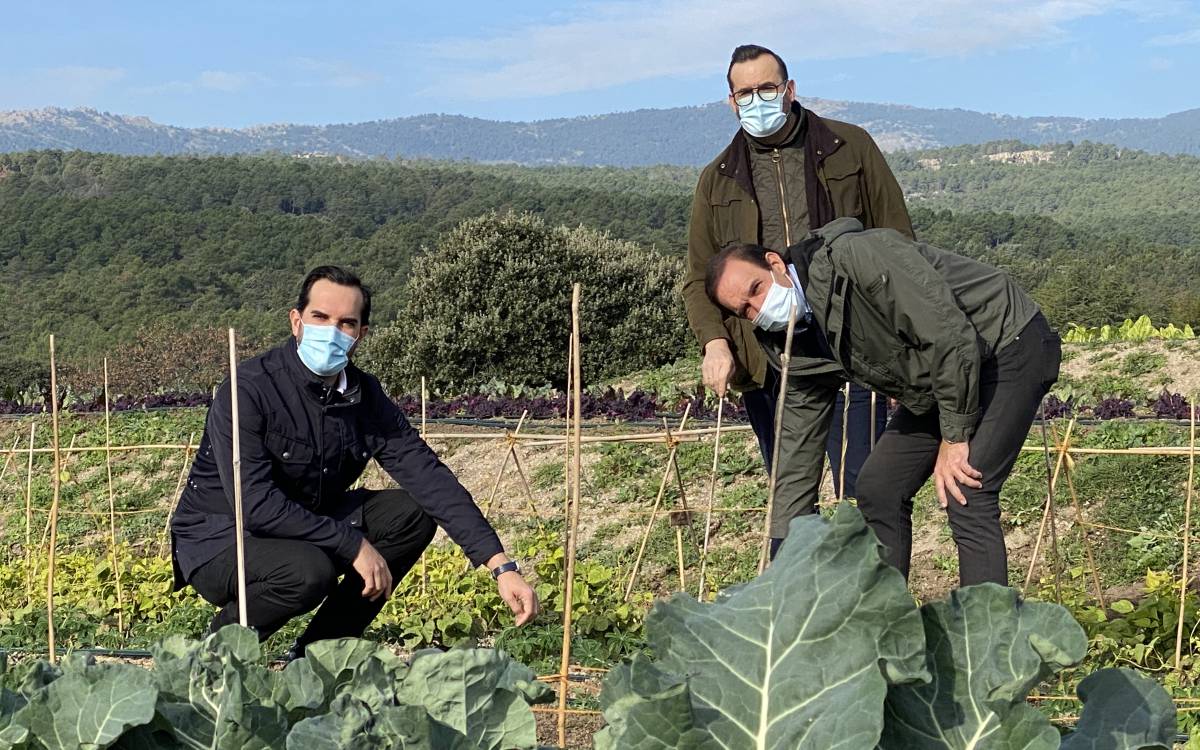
679	528
1050	508
54	505
712	498
239	521
1062	453
29	556
529	499
8	459
424	397
845	441
784	361
573	525
1187	532
183	472
1068	470
504	465
662	489
112	510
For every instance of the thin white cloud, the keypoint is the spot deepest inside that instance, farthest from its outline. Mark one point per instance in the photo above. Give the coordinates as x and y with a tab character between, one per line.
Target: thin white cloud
617	42
334	73
210	80
1177	40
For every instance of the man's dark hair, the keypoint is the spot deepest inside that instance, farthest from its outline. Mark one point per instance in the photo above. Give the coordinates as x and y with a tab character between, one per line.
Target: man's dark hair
754	254
338	276
746	52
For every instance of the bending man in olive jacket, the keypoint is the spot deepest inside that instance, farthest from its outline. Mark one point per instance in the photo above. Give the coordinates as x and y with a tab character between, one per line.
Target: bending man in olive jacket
785	171
964	350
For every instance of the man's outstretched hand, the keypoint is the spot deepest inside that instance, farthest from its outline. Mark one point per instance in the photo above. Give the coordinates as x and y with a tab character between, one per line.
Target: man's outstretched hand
377	577
516	593
717	367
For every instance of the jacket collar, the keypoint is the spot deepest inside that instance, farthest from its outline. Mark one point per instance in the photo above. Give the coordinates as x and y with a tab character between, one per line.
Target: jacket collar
313	385
734	161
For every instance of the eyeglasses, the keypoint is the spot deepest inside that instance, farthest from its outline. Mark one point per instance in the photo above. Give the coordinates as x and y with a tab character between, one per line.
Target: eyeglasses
768	92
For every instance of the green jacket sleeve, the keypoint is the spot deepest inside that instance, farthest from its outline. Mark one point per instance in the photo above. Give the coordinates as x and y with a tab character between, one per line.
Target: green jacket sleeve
704	317
885	199
917	301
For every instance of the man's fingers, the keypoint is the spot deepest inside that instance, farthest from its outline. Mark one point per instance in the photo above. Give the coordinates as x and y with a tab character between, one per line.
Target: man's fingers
939	486
957	492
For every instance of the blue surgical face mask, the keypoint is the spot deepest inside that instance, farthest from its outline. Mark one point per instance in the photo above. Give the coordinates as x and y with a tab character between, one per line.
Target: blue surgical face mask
761	119
324	350
777	307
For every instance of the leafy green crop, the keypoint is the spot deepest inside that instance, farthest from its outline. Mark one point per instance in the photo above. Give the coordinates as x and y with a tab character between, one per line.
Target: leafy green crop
216	694
827	650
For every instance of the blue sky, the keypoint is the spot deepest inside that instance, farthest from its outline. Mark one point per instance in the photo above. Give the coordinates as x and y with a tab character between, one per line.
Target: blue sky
234	64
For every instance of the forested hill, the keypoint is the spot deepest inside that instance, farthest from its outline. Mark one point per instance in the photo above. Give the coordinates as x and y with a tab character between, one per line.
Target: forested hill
681	136
94	247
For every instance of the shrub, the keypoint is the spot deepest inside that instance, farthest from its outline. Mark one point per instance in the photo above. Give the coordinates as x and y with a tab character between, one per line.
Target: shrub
492	302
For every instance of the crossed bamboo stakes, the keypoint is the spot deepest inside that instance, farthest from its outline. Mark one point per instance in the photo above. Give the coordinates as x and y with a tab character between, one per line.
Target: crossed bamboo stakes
1060	463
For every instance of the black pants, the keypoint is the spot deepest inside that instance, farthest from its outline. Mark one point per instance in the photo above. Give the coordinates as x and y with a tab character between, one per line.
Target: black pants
760	409
1012	384
288	577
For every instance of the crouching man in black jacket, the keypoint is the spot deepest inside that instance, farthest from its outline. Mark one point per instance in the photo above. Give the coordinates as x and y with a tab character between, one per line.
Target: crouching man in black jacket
309	422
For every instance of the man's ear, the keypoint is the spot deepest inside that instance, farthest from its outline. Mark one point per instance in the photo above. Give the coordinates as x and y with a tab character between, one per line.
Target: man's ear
294	321
775	261
733	106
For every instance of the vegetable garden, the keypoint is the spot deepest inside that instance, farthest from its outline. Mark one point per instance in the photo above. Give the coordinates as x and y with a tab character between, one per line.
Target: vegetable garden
826	649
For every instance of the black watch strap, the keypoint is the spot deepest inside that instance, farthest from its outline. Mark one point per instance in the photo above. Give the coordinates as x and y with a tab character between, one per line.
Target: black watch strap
510	566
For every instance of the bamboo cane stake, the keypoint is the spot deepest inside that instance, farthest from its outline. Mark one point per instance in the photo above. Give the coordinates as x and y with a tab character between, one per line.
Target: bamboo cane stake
28	550
712	497
845	442
662	489
1057	568
1062	453
112	515
8	459
784	361
239	522
504	465
46	529
573	525
1068	470
57	483
678	528
183	472
1187	533
529	499
424	398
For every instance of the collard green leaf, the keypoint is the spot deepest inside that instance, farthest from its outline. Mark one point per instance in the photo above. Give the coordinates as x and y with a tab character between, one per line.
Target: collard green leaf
986	650
648	708
800	657
1122	710
352	725
475	692
90	706
337	661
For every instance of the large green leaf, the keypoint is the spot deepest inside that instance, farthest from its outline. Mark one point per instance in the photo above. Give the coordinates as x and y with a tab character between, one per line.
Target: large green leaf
90	706
353	662
204	700
801	657
352	725
648	709
479	693
1122	710
986	650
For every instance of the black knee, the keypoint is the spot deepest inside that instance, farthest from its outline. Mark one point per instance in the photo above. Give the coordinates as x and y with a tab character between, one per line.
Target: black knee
871	488
306	580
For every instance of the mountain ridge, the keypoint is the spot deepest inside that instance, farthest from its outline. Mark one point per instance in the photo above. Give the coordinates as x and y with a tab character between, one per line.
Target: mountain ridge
639	137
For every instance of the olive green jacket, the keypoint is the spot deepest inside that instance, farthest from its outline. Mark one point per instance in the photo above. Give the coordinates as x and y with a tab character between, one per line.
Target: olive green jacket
907	319
845	175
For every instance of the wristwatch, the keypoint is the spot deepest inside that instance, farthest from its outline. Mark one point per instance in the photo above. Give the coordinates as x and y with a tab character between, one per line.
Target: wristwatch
501	569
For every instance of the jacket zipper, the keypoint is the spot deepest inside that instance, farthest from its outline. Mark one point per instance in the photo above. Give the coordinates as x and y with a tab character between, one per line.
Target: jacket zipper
787	222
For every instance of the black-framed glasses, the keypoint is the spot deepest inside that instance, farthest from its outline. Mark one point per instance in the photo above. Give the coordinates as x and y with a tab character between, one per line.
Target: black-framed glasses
768	92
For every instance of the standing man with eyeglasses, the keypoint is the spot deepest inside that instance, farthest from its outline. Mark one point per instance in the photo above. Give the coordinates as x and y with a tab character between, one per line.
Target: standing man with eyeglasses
786	172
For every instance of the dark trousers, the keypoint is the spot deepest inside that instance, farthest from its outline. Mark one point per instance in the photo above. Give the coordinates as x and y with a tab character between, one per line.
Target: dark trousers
288	577
1012	384
760	409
